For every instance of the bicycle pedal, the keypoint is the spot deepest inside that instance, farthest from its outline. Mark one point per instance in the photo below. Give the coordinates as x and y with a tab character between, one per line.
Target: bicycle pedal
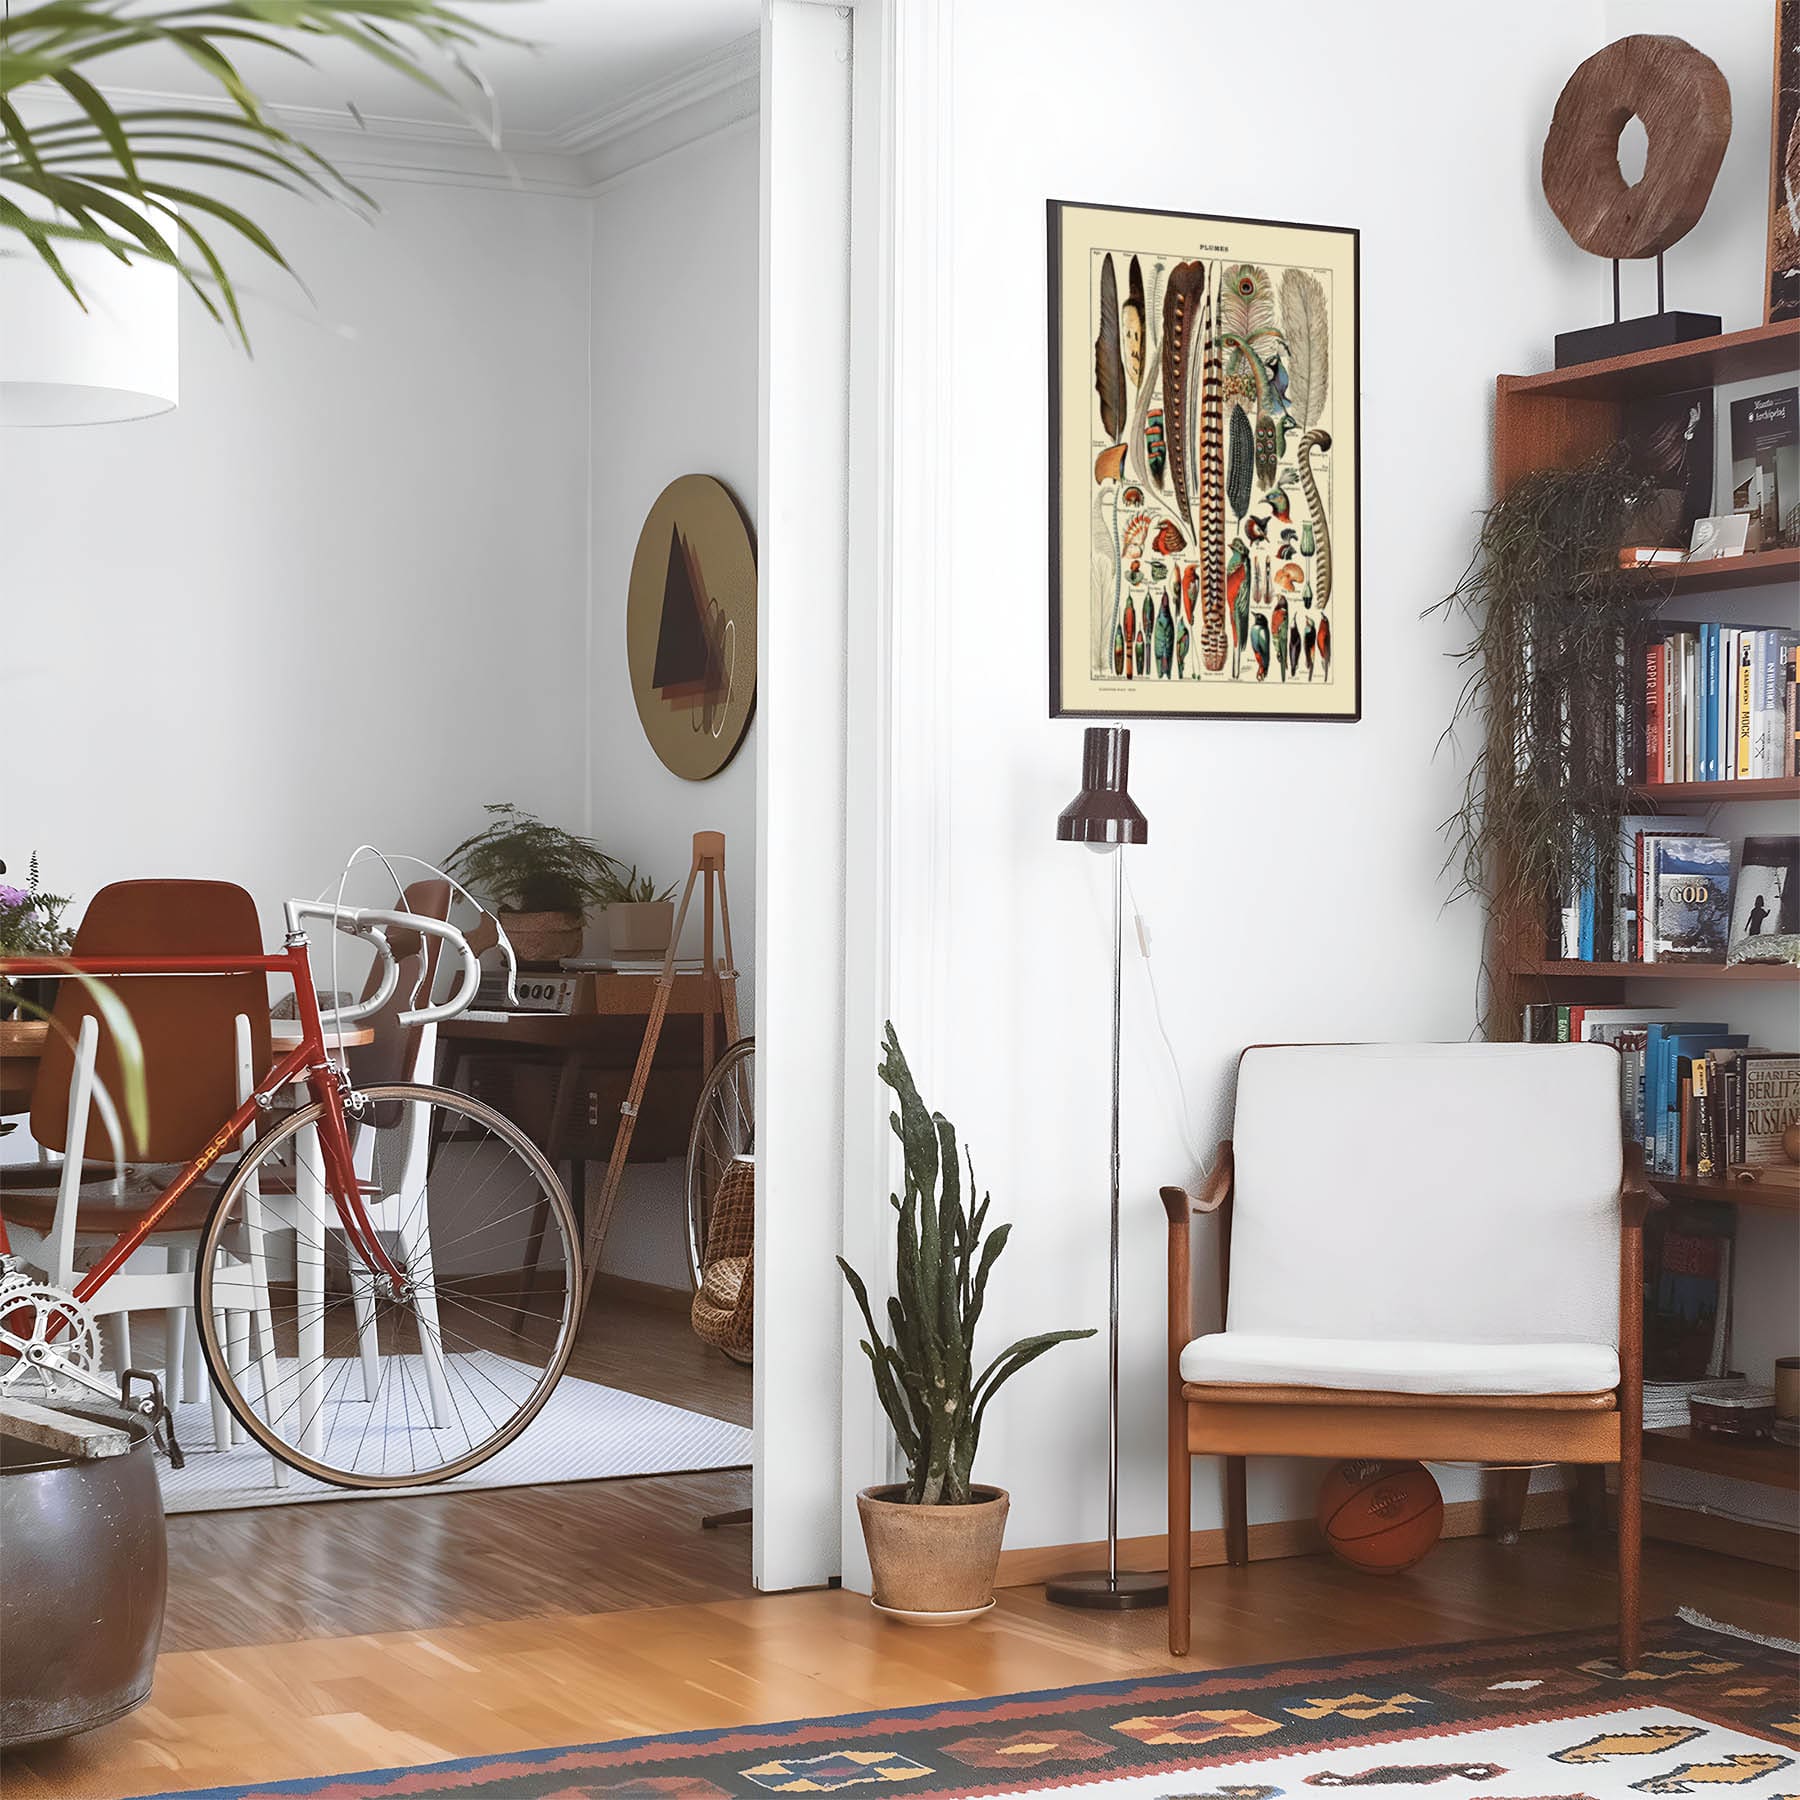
156	1409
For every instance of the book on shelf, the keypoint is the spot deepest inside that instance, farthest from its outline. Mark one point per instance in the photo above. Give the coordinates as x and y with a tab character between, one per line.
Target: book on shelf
1687	1293
1666	1402
1768	1102
1718	703
1765	898
1765	458
1686	899
1669	438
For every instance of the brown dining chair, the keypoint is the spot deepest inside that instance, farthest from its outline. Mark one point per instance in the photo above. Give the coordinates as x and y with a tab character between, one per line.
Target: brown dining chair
197	1036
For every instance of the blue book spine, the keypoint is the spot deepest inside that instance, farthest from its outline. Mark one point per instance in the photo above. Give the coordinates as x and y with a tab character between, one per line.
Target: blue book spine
1587	919
1650	1096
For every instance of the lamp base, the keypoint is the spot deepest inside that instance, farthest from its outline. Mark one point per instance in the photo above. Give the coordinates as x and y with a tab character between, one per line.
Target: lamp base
1096	1591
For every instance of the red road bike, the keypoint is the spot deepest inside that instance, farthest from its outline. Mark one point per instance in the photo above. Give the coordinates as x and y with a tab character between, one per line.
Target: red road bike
387	1280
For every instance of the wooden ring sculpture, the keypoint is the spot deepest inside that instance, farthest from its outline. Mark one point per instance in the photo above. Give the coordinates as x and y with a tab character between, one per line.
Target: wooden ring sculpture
1684	102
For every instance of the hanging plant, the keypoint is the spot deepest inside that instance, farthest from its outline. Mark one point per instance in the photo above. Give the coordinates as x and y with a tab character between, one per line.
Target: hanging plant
1549	680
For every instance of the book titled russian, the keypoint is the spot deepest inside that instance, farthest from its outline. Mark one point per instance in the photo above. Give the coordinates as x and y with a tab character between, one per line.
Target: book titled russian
1765	457
1690	885
1770	1099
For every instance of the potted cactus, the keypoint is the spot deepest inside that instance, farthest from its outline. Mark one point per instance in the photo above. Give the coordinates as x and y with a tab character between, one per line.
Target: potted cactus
934	1539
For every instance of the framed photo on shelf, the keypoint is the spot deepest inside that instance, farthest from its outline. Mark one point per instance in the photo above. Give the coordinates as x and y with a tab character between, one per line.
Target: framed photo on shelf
1205	532
1783	297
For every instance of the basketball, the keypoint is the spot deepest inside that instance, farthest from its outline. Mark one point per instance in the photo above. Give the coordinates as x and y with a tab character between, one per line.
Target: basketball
1380	1517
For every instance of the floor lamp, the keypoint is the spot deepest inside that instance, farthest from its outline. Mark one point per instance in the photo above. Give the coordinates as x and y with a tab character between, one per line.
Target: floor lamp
1104	817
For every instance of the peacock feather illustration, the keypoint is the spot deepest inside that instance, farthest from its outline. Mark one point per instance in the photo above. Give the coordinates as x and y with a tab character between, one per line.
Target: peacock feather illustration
1109	360
1248	334
1317	440
1184	302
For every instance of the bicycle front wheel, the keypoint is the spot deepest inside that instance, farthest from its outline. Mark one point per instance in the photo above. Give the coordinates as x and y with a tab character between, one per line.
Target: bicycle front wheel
348	1375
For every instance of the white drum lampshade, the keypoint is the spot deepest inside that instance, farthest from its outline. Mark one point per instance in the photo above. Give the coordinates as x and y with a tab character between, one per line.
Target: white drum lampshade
61	366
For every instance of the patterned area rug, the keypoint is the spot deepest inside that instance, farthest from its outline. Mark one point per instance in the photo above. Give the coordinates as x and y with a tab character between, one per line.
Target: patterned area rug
1545	1718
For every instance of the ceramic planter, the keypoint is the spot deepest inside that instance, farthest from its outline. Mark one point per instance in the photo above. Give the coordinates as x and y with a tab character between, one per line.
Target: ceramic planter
543	939
640	928
933	1565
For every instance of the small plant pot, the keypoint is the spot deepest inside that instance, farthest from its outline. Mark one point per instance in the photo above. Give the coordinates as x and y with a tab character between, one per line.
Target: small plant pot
640	928
933	1565
540	940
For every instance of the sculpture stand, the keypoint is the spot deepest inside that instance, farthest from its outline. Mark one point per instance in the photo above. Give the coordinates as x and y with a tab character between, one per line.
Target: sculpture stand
1625	337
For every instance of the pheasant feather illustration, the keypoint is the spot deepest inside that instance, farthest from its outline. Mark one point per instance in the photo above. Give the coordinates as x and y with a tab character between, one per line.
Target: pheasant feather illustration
1184	302
1317	440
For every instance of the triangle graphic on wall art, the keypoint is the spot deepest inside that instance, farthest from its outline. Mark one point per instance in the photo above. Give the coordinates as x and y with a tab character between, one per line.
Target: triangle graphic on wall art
687	668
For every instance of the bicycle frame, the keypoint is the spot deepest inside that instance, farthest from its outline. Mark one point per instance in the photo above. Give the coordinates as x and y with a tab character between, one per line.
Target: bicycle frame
308	1061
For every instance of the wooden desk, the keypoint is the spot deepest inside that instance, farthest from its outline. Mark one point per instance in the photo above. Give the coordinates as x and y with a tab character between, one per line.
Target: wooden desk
561	1077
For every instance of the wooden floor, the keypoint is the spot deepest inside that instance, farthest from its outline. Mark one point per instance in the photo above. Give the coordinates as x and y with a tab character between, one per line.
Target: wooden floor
332	1705
334	1568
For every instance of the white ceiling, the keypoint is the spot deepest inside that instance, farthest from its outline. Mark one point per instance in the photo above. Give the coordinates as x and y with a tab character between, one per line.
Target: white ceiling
589	60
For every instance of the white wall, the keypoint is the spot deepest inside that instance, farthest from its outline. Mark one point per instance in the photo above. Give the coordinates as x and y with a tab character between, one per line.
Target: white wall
377	525
674	345
1292	882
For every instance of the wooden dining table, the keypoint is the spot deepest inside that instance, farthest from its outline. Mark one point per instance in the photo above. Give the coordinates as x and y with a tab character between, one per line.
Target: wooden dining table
22	1044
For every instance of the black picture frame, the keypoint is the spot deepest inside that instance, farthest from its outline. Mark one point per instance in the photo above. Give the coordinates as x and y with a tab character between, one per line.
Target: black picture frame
1057	214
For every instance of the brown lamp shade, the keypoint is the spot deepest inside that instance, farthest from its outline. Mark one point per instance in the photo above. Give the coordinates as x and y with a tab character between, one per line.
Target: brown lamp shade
1103	812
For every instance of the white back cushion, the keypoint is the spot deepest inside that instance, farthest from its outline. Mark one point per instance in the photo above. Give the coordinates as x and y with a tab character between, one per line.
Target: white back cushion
1456	1192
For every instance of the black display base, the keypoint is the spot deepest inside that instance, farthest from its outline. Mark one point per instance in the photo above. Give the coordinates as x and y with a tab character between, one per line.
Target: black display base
1625	337
1095	1591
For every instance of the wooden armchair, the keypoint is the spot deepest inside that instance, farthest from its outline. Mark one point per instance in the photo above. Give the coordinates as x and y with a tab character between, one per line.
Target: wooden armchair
1428	1251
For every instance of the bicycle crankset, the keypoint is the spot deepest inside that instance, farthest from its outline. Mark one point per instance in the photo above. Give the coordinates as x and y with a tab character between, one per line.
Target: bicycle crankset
46	1333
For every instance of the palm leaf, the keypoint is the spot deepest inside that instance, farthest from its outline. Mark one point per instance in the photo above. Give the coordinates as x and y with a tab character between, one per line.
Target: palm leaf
79	170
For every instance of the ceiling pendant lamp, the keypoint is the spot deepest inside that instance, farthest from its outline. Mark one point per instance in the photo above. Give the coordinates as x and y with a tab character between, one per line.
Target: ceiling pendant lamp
59	365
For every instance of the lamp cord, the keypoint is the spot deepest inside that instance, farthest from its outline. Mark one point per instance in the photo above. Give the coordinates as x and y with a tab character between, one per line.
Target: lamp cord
1184	1116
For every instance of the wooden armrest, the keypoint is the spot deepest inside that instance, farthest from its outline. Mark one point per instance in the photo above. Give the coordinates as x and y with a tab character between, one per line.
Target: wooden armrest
1636	1196
1179	1204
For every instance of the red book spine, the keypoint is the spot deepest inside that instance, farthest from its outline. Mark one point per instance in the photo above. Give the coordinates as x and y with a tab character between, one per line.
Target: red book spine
1653	714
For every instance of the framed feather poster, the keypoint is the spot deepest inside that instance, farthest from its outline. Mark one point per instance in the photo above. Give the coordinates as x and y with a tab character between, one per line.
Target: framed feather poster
1204	467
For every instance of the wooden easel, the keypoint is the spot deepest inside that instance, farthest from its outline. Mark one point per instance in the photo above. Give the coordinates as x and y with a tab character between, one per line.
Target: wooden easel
721	998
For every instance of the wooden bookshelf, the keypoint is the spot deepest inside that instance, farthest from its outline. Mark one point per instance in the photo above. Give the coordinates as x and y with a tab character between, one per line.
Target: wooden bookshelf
1558	420
1743	1459
1714	793
1760	352
1552	970
1765	1197
1757	568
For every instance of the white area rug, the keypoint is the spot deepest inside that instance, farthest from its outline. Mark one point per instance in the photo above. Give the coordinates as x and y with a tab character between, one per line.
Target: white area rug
586	1432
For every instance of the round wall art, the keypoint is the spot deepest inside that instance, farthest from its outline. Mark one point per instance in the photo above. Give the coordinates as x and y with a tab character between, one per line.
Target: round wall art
690	626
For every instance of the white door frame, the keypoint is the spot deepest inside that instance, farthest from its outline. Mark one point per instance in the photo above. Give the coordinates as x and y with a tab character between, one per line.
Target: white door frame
852	851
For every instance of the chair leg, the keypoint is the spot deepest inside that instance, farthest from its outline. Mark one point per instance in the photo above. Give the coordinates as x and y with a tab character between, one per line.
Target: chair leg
1237	1512
1590	1499
1630	1554
1506	1501
1181	1546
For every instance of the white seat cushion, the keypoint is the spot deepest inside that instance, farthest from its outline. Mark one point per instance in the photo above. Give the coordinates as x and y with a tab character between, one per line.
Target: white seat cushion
1392	1366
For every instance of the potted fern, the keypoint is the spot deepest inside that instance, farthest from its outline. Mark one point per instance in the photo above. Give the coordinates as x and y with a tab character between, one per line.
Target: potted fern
934	1539
542	878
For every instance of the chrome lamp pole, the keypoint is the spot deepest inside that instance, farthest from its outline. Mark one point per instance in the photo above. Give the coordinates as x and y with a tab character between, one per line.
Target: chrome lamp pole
1104	817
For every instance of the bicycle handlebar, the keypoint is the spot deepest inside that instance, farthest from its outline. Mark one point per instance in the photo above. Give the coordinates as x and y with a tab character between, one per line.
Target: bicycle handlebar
373	924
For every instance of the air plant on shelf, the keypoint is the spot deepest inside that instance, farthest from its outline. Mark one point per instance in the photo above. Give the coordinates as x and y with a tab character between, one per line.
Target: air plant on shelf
1548	681
925	1370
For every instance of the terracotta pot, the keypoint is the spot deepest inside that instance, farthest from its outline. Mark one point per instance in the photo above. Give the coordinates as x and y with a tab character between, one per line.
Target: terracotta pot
639	928
542	939
933	1559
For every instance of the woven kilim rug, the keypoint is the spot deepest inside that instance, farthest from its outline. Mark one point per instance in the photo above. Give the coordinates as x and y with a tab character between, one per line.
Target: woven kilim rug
1544	1718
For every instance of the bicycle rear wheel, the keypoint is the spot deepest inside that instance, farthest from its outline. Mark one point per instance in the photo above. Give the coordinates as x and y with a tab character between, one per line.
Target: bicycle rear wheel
724	1127
337	1370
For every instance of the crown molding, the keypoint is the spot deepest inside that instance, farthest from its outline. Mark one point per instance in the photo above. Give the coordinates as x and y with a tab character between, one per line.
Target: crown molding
706	96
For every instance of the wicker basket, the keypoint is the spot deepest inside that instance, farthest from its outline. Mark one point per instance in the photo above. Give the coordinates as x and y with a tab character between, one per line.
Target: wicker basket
722	1312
